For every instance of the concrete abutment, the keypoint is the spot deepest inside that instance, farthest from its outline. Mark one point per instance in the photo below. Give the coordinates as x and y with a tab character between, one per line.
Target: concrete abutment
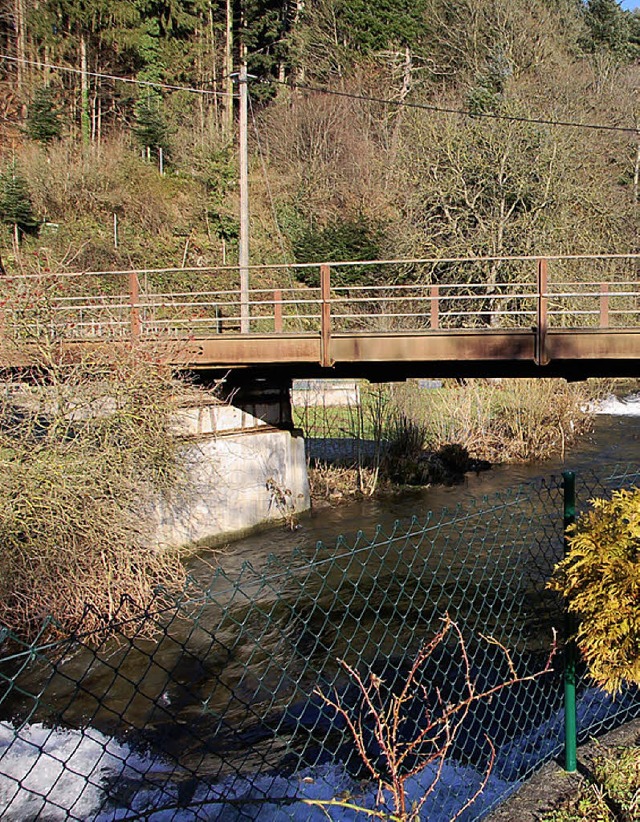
242	471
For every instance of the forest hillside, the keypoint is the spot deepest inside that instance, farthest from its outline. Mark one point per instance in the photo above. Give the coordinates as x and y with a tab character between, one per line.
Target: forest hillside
377	130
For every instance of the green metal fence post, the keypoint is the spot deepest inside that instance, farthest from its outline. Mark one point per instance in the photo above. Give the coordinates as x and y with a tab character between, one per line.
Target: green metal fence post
570	653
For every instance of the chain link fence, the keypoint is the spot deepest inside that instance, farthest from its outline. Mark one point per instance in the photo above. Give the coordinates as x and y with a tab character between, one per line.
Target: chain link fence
216	709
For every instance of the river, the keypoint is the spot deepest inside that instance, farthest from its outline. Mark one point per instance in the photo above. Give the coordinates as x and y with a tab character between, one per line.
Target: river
193	696
615	439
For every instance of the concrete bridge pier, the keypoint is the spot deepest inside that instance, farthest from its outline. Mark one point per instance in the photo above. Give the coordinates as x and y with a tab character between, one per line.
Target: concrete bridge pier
243	472
245	464
265	398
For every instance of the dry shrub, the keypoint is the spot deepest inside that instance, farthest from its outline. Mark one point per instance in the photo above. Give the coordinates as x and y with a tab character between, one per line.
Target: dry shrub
500	421
537	418
82	445
406	437
65	181
326	150
338	483
402	748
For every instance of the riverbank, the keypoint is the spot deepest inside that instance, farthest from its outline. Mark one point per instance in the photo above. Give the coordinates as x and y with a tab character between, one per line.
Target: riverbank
551	787
341	480
418	434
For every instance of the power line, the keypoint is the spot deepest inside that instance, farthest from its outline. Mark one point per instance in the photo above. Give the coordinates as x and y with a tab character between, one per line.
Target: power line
331	92
104	76
445	110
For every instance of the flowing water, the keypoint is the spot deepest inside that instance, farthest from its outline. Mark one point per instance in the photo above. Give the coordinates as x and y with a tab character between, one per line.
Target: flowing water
151	688
615	439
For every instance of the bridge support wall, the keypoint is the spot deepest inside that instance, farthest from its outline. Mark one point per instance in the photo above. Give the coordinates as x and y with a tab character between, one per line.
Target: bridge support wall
240	474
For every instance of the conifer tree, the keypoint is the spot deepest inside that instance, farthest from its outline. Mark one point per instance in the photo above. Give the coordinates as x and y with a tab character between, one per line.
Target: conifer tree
608	26
43	118
151	129
16	208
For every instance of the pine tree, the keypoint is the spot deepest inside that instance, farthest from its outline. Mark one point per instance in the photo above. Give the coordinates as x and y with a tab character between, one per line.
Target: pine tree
16	208
43	118
151	129
608	26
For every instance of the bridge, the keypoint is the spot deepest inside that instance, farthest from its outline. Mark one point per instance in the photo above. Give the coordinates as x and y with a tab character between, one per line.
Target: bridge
562	316
566	316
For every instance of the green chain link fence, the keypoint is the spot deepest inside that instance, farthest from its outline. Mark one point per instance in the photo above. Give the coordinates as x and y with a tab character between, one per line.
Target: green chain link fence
213	709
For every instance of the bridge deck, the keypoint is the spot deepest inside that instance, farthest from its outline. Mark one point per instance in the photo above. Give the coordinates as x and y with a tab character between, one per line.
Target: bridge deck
582	319
570	353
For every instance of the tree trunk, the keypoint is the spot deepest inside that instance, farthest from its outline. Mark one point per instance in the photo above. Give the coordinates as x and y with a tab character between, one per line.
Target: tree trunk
636	174
85	115
21	46
214	67
407	76
227	117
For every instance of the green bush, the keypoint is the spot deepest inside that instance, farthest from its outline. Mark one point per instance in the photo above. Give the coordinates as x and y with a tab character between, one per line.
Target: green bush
600	577
16	207
341	240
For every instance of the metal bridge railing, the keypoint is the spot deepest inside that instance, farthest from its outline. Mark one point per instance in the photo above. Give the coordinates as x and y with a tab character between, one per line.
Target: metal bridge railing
456	294
213	708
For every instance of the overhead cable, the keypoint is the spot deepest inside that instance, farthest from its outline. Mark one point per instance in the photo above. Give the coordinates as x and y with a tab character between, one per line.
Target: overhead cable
543	121
446	110
131	80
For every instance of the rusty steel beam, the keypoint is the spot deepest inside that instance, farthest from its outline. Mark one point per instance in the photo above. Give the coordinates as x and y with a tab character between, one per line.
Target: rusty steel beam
593	344
573	353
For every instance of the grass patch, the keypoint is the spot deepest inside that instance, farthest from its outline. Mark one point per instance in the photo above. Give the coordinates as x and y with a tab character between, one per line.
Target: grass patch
498	421
610	793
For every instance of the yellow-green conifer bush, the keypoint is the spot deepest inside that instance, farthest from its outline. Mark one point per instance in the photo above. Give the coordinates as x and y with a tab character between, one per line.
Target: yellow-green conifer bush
600	577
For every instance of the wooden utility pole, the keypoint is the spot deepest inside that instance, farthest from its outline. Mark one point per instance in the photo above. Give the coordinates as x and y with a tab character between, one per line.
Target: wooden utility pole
243	255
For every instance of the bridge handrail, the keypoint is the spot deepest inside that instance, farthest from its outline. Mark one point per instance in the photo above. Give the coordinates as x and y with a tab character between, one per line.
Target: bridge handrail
531	258
536	298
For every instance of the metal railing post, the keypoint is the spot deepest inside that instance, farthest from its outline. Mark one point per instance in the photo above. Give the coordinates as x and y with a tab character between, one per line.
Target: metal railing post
277	311
435	306
542	358
604	305
134	301
325	318
570	650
